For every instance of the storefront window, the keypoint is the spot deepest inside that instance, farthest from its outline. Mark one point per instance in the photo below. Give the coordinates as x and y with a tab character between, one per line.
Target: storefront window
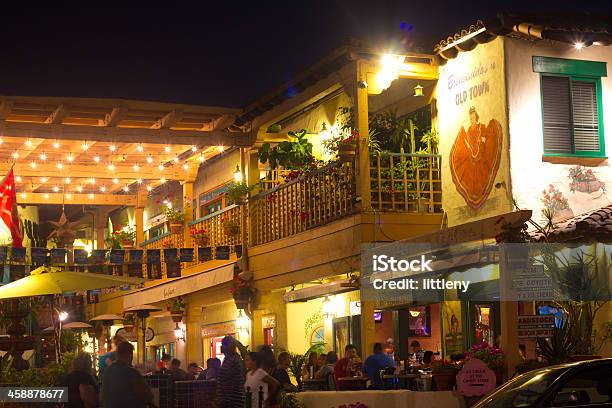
484	323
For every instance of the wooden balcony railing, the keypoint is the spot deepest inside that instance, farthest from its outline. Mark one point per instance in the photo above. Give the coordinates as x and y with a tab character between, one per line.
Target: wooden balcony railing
306	202
273	178
405	182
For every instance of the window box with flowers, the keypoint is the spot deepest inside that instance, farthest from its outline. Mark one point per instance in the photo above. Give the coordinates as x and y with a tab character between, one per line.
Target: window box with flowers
492	356
584	180
444	374
175	215
201	236
231	227
555	203
122	237
242	291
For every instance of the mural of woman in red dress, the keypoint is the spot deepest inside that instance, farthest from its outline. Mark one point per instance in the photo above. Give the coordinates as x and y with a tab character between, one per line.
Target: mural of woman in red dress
474	159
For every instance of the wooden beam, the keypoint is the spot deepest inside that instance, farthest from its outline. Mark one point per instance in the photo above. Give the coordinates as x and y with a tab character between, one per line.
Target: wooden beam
223	121
168	120
59	114
116	116
85	171
126	135
58	198
29	150
5	109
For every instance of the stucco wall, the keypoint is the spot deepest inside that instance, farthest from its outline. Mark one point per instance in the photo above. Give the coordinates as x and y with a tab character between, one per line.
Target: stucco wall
530	174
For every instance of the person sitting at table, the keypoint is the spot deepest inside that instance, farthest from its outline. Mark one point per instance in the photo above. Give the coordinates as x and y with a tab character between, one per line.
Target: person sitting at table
345	367
373	365
428	358
280	372
213	365
417	351
310	367
327	371
321	361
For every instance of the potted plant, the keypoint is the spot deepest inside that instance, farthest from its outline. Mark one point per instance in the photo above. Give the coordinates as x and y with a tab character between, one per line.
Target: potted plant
231	227
237	192
444	374
242	291
492	356
176	215
298	360
122	237
290	154
176	306
129	321
201	236
584	180
347	146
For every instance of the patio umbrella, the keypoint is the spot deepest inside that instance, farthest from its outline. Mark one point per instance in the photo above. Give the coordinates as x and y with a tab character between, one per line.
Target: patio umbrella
52	281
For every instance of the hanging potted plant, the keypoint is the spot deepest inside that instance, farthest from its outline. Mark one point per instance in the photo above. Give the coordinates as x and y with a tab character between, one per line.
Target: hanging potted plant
231	227
237	193
347	146
176	215
242	291
444	374
176	306
129	321
201	236
122	237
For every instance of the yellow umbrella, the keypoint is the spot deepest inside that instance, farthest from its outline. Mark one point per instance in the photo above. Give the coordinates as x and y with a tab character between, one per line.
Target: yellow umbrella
52	281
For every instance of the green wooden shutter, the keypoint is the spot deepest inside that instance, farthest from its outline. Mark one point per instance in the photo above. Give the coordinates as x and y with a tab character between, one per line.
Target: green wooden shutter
556	114
585	116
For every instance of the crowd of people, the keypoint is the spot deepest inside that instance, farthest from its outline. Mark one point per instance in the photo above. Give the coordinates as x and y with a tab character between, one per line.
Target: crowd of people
261	375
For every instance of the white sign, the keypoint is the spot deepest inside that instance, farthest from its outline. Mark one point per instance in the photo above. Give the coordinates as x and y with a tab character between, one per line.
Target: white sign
533	284
355	308
536	326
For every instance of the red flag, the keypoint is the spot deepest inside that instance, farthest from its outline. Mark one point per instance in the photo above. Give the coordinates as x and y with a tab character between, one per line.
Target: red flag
8	208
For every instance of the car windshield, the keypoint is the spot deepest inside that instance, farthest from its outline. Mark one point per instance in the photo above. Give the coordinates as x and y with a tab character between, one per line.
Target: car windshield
522	391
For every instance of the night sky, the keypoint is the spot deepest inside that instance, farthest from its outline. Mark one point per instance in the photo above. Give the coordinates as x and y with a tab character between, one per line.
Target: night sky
224	53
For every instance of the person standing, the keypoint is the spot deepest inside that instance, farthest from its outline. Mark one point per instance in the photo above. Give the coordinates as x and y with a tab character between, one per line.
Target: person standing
82	387
256	378
375	363
281	375
230	382
106	359
123	386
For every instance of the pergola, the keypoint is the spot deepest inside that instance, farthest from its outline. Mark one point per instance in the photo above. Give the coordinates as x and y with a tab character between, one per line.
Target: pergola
108	152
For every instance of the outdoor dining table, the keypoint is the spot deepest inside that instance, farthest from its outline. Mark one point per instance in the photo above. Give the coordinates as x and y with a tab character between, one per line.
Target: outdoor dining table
352	383
406	379
313	384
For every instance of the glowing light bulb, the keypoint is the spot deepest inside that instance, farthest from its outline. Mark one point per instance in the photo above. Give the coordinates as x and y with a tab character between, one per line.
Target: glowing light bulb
167	149
201	158
126	189
111	167
160	167
97	158
43	156
28	143
91	196
149	188
579	45
149	159
46	196
185	166
70	157
220	148
55	189
15	155
162	180
92	180
18	179
1	141
84	146
59	165
112	147
103	189
176	159
33	164
115	180
139	181
68	196
56	145
194	149
136	167
23	195
43	179
140	148
67	180
80	189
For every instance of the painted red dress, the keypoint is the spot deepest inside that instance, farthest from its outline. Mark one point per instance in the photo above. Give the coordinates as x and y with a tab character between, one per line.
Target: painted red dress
474	161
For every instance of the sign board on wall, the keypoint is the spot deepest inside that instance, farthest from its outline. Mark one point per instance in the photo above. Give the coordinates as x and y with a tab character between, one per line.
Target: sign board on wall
268	321
536	326
533	284
475	378
218	330
473	134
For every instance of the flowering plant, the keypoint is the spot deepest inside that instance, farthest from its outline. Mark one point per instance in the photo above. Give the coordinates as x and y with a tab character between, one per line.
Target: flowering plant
581	174
442	365
553	199
242	288
121	234
492	356
174	213
229	222
195	231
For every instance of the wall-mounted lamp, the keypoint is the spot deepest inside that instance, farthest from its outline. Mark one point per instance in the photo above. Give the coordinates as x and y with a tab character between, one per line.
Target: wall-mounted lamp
62	315
418	90
179	333
415	313
328	308
238	175
242	323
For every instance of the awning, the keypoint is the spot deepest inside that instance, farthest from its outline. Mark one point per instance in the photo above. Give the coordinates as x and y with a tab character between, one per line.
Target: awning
180	287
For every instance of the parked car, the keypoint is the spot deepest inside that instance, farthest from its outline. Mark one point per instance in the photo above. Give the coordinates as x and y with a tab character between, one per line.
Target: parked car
581	384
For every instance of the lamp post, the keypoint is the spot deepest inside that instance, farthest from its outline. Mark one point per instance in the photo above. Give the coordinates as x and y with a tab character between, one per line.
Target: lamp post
143	311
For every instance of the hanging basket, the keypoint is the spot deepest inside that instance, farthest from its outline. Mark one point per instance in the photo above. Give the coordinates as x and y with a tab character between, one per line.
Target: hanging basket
231	230
242	304
202	240
176	315
127	244
346	152
176	227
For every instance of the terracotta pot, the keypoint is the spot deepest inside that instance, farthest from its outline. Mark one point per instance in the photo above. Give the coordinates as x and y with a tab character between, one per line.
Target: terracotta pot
346	152
202	240
445	379
176	228
231	230
127	244
176	315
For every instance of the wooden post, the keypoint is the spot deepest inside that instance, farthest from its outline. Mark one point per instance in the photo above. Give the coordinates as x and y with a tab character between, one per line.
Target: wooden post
367	327
508	315
101	221
361	123
141	202
187	195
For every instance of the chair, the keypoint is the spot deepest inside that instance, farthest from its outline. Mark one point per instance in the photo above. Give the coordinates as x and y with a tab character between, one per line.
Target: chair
388	383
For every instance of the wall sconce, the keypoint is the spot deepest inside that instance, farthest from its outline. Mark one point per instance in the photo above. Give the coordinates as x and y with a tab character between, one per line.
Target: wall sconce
415	313
328	308
418	90
242	323
179	333
238	175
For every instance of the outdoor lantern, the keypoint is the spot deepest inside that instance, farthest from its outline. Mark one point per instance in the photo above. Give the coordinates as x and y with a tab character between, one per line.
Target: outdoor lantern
179	333
238	175
418	90
62	315
415	313
242	323
328	308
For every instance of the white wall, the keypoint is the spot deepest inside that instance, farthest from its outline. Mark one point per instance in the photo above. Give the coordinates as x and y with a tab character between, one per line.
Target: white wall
530	174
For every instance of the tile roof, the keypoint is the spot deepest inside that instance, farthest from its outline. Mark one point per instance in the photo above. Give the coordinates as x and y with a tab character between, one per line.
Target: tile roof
596	225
